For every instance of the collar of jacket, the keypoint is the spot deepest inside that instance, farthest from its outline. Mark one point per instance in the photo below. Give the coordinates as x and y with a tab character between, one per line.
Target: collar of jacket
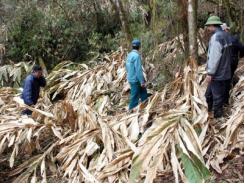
134	50
33	76
218	29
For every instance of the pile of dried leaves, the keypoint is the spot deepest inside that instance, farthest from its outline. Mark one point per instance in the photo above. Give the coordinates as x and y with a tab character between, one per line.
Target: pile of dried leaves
88	136
12	74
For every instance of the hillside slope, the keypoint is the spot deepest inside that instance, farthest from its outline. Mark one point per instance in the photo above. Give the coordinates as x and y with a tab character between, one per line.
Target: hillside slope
81	131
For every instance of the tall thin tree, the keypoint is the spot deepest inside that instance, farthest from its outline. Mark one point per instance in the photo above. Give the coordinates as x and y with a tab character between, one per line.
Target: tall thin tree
192	28
118	5
184	24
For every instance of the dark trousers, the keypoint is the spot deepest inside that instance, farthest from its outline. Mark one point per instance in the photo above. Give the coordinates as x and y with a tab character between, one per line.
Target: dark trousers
230	82
227	91
136	93
216	95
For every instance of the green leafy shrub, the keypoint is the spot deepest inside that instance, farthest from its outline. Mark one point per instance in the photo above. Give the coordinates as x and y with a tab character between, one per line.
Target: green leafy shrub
54	36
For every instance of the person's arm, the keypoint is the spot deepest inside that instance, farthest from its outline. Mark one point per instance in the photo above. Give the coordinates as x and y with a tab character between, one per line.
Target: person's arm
238	46
214	56
139	71
42	81
28	92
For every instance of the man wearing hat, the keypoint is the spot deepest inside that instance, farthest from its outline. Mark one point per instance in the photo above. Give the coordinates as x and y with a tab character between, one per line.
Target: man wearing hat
135	76
237	52
32	85
218	66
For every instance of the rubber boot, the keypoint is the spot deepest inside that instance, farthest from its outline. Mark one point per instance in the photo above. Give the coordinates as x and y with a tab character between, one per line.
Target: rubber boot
218	113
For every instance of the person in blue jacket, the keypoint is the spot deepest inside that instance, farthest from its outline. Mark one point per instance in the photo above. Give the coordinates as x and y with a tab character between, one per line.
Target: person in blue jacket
135	76
31	87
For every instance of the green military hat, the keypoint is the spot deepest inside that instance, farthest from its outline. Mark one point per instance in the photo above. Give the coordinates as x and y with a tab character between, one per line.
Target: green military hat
213	20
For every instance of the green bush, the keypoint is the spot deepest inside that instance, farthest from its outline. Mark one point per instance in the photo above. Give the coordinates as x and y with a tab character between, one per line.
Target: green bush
54	37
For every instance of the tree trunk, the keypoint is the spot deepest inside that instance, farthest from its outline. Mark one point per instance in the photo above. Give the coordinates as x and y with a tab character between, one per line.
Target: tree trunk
148	15
153	7
192	28
184	23
2	53
154	20
98	15
114	6
228	12
118	6
124	21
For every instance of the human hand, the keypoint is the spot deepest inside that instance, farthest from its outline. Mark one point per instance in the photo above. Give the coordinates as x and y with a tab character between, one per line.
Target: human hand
209	78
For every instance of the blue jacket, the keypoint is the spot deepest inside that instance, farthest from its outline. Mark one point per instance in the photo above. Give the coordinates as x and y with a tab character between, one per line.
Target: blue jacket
134	67
31	89
220	55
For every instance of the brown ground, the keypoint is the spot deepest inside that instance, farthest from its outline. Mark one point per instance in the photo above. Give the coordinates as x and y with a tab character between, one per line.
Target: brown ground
234	173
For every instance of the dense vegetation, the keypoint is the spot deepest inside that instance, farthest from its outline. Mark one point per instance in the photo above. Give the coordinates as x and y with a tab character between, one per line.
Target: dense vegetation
79	30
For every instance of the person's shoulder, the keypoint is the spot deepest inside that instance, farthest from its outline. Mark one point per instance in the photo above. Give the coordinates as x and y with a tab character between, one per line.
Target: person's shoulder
221	35
234	38
133	53
29	77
